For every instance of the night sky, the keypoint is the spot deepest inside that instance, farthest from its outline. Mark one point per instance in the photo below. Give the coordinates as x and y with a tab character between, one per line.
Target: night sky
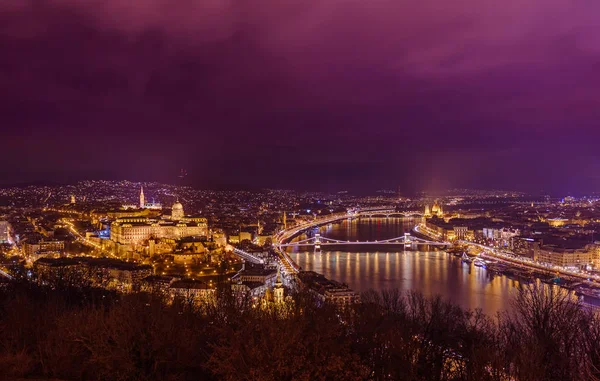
311	94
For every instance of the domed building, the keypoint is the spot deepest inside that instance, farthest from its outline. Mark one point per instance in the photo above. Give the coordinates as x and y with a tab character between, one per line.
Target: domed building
177	211
436	209
178	215
138	230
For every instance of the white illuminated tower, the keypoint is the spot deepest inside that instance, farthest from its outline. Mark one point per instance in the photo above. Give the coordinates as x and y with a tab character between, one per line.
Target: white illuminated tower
142	199
278	289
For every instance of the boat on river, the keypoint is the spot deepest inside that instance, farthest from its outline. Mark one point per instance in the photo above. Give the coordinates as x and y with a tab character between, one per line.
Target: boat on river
479	263
465	258
588	293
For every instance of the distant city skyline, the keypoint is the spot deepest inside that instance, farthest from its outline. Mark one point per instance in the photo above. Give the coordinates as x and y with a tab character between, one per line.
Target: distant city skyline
374	190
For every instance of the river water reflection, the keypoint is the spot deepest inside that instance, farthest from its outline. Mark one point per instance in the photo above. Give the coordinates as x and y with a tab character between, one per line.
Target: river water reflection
387	267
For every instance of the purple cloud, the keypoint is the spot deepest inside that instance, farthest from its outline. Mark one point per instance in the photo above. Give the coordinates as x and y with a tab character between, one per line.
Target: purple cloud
463	81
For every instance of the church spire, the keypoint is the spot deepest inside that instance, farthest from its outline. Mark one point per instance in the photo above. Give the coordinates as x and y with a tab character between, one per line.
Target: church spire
278	291
142	199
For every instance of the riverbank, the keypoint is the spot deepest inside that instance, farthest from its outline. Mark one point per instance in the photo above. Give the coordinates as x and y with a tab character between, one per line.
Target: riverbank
352	269
586	285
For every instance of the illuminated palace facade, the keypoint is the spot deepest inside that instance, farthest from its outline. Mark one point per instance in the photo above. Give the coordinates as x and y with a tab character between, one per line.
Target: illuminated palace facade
138	230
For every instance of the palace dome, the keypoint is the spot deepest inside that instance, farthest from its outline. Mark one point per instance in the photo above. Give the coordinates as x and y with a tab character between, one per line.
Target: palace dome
177	211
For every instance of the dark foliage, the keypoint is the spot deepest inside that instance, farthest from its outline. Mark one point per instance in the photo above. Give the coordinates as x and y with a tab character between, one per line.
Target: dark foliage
74	333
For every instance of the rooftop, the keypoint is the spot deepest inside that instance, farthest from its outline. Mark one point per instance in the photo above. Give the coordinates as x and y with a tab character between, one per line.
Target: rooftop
190	284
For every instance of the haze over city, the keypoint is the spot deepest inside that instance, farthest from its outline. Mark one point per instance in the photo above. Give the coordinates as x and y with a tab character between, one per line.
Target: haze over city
323	95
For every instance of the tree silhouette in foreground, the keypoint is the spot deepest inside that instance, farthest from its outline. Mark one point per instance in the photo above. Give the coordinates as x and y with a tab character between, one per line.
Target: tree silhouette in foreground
86	333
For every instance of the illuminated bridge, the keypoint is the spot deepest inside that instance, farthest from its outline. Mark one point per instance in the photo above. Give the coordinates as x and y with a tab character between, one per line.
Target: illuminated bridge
5	274
387	212
247	256
281	239
406	240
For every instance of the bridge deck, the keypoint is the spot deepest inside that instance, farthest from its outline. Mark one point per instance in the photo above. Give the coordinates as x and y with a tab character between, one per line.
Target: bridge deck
247	256
404	240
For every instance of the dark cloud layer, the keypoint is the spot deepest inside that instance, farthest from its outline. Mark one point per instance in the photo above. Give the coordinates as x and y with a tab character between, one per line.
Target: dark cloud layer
314	94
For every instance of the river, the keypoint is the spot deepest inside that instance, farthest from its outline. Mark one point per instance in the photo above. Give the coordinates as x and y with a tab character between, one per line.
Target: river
388	267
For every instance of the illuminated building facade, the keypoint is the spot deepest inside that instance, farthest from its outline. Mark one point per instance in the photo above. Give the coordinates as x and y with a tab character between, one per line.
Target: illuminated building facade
138	230
41	248
192	291
328	291
461	232
565	257
440	229
557	222
5	232
256	273
435	211
526	247
101	272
